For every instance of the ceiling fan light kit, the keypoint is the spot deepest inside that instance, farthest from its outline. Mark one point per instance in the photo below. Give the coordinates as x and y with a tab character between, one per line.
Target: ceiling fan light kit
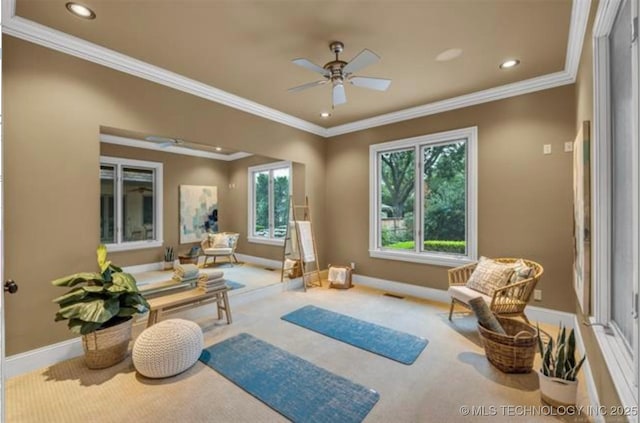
338	72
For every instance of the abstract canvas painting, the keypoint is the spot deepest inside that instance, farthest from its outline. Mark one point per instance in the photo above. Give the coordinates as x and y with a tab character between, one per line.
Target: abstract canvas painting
582	217
198	212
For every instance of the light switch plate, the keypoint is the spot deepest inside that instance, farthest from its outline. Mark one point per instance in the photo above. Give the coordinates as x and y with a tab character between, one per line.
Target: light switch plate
537	294
546	149
568	147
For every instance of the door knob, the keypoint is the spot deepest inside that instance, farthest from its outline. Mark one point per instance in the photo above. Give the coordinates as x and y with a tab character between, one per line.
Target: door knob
10	286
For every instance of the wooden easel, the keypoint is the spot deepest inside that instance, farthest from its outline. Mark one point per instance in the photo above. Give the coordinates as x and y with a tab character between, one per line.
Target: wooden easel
293	217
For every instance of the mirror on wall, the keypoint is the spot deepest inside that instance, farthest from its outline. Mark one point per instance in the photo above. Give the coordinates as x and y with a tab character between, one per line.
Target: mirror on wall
144	181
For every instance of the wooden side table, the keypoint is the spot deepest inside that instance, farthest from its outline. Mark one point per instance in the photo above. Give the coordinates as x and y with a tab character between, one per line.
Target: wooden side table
184	259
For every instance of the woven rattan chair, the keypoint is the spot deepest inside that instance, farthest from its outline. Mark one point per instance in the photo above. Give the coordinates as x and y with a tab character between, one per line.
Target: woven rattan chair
509	301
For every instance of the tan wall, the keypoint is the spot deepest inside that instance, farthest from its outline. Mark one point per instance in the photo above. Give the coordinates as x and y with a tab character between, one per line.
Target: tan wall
524	199
177	170
54	106
584	111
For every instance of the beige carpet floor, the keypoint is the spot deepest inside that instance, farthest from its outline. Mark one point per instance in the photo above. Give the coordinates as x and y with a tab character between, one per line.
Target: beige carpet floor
451	372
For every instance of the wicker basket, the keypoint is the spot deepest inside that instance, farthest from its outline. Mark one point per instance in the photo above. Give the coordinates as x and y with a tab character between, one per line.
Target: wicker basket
106	347
513	352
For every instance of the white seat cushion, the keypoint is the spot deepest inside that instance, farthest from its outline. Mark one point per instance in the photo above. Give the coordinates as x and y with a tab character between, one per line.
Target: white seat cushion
464	294
217	251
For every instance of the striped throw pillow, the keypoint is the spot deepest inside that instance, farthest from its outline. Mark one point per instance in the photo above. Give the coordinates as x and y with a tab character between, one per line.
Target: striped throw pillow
490	275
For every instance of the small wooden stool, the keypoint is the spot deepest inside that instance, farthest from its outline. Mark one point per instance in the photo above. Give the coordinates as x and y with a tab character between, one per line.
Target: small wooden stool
188	299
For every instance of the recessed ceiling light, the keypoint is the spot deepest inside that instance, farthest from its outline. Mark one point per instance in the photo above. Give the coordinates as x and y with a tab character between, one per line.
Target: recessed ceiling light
80	10
218	149
450	54
325	115
511	63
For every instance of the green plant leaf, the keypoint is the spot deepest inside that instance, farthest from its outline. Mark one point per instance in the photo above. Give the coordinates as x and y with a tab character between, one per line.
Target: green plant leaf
80	327
78	278
102	258
123	282
127	311
136	300
74	295
98	311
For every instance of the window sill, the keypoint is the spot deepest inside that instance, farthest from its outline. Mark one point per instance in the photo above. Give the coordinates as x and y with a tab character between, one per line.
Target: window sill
423	258
266	241
619	363
137	245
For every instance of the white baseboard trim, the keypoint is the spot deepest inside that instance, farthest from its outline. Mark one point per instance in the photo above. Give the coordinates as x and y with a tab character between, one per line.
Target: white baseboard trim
422	292
139	268
277	264
592	392
544	315
28	361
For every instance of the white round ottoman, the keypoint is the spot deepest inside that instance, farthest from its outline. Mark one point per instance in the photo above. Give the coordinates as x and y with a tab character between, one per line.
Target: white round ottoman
167	348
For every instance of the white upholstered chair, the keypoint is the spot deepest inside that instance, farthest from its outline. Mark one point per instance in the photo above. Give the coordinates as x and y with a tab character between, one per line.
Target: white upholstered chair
221	244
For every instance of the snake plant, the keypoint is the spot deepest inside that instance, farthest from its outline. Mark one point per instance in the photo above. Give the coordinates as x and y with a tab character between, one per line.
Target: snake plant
559	358
168	254
99	300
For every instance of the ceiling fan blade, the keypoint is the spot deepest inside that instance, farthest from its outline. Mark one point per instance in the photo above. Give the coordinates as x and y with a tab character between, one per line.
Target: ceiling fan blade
164	142
380	84
362	60
305	86
339	96
311	66
155	138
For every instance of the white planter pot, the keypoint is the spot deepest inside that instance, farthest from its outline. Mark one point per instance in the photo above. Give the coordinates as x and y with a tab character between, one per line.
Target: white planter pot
557	392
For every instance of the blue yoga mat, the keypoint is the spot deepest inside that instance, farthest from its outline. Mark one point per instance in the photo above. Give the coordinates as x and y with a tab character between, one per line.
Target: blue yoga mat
297	389
398	346
233	285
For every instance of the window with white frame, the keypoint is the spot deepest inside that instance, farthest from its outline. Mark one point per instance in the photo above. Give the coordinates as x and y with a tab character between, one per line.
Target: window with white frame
130	203
616	187
269	190
423	198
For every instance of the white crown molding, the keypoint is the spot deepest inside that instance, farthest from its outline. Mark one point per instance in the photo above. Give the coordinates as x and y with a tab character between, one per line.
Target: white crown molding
579	19
48	37
130	142
605	16
74	46
498	93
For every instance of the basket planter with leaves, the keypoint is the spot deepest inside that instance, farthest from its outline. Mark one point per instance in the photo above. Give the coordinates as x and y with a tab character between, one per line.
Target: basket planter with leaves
557	376
99	307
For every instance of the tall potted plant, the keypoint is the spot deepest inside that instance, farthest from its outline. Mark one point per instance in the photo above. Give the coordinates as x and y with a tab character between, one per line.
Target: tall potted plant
100	307
558	384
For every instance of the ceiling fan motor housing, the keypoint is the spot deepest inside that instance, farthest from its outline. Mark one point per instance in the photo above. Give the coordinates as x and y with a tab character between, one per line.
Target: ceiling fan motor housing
335	67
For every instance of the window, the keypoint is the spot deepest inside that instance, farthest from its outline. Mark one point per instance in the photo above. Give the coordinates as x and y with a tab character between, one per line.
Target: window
423	198
130	204
269	190
616	185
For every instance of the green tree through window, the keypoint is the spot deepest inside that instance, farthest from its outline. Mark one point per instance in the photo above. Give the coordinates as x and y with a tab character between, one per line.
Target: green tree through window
270	208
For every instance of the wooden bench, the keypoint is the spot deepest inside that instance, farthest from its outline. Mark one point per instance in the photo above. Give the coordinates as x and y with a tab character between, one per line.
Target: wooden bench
188	299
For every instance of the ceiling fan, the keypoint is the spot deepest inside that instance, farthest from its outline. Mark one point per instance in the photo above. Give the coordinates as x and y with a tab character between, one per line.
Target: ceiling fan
164	142
338	72
141	190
